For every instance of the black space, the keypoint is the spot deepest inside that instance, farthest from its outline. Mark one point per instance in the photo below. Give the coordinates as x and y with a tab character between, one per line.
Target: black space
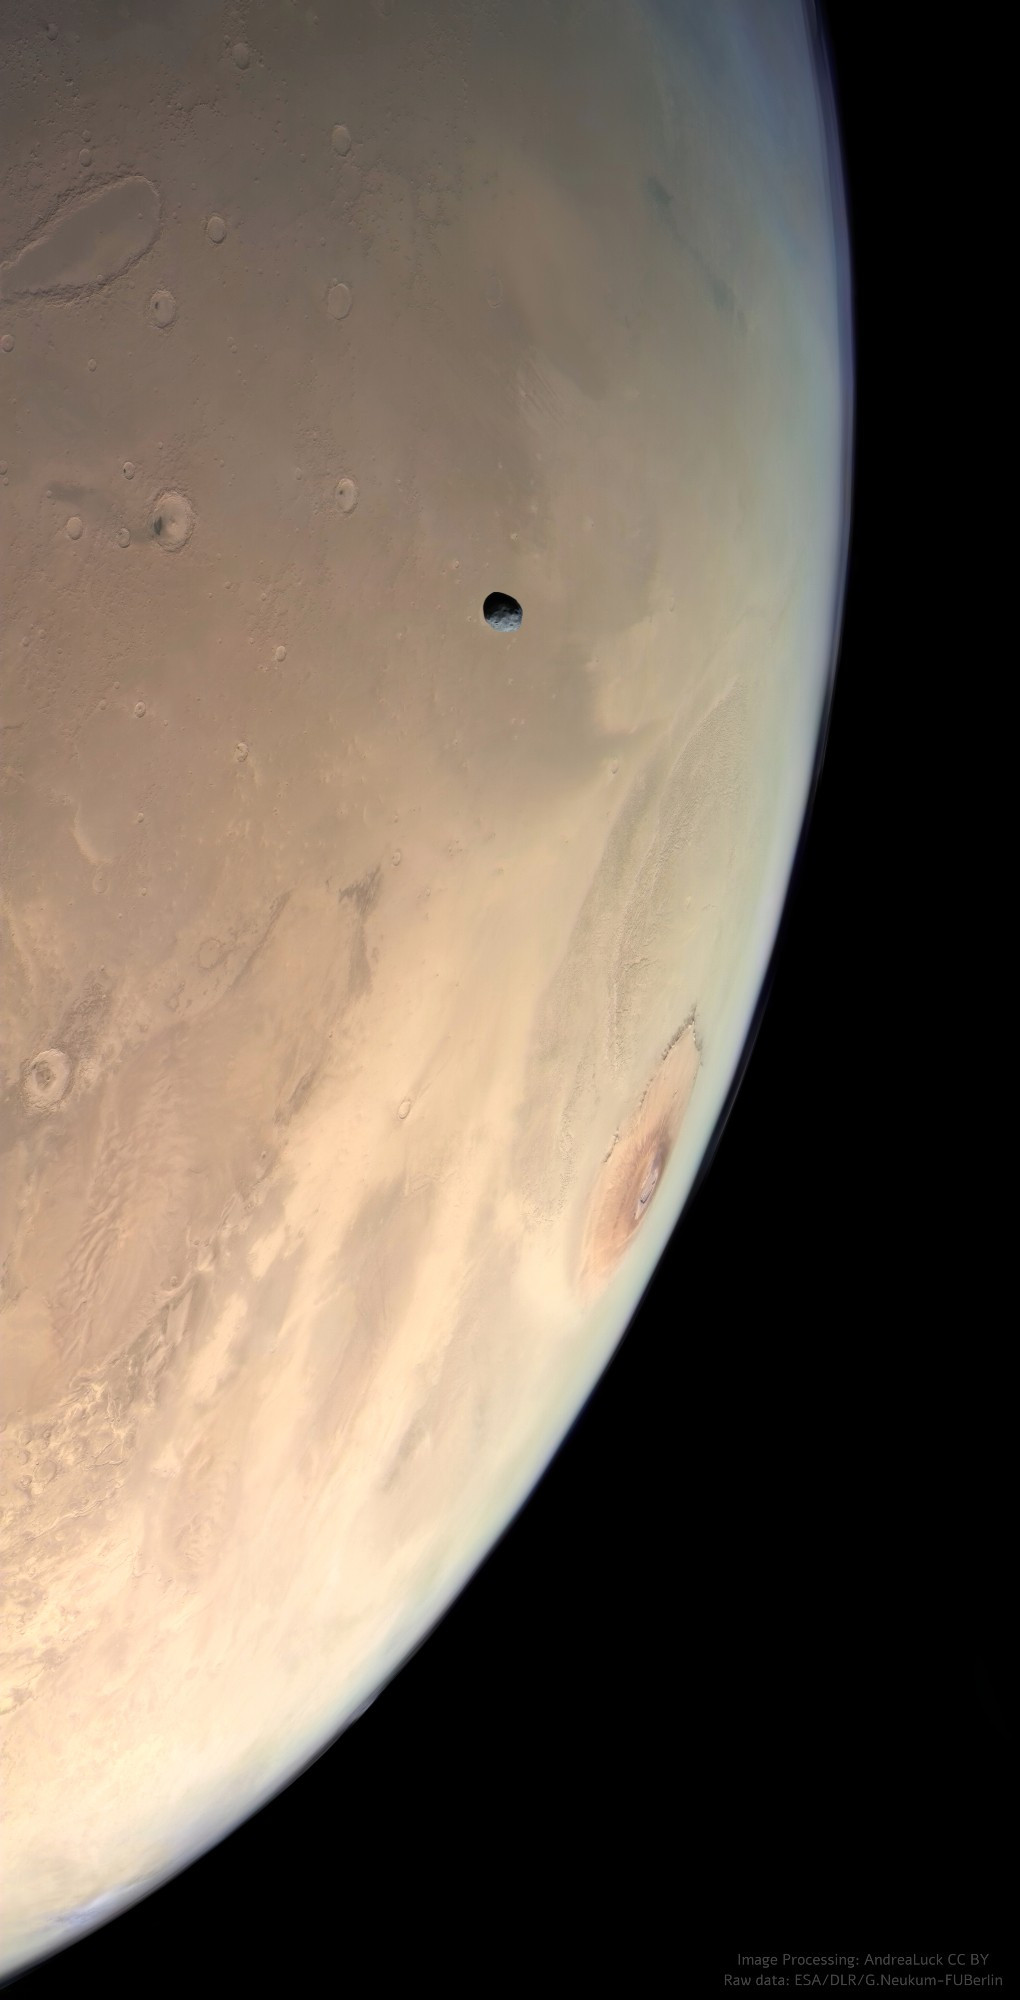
736	1680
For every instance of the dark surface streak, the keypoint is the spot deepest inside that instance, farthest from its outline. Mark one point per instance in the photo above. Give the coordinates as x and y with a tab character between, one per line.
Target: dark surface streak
364	894
722	296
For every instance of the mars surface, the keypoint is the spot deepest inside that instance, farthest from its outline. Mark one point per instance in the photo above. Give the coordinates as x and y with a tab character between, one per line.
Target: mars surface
424	440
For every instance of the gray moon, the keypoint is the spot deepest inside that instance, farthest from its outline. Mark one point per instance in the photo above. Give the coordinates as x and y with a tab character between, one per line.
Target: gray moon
424	481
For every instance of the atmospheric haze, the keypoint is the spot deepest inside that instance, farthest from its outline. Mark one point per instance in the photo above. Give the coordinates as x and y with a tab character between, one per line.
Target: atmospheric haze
374	969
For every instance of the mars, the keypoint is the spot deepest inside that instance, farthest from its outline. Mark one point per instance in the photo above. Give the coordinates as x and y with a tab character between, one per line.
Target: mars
424	440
